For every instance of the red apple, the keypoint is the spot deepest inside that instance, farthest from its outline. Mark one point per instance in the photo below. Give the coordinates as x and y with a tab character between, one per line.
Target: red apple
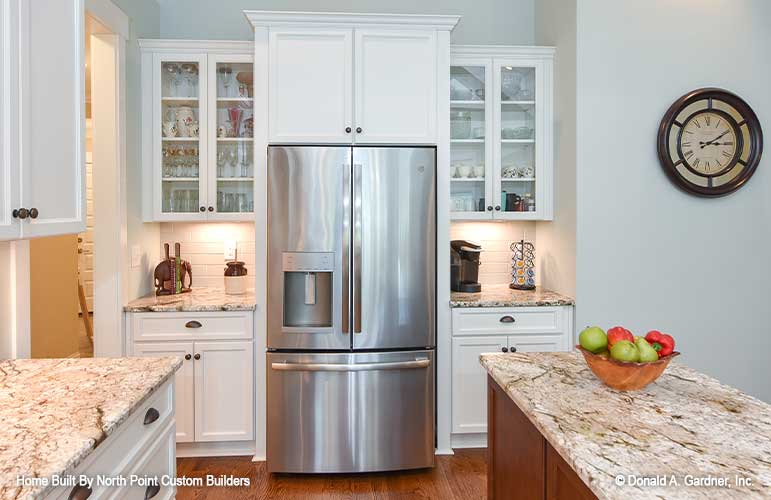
619	333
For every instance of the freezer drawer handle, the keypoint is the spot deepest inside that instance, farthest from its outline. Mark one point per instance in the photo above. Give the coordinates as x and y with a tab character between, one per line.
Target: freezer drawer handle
355	367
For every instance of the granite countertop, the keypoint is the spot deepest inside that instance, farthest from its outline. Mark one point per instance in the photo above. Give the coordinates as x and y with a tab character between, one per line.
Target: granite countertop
199	300
503	296
684	423
55	412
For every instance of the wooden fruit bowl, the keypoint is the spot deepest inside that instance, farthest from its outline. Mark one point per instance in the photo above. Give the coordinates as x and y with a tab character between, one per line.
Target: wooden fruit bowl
623	375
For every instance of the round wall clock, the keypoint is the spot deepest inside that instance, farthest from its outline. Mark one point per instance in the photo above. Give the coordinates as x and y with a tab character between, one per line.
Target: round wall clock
710	142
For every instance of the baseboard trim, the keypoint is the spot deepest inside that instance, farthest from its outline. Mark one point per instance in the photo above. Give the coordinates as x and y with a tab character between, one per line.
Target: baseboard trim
216	449
476	440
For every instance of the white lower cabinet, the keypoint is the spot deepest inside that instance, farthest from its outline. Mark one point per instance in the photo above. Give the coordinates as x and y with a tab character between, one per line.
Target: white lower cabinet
223	391
469	402
478	331
183	381
215	386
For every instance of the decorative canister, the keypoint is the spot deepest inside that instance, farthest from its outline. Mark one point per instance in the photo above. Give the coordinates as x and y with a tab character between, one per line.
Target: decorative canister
235	278
522	265
185	120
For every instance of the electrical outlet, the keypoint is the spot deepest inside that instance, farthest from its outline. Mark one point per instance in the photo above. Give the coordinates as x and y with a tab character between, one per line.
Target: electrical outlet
230	249
136	256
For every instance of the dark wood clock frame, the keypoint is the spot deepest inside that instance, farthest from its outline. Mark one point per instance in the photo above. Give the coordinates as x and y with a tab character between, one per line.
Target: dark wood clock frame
749	120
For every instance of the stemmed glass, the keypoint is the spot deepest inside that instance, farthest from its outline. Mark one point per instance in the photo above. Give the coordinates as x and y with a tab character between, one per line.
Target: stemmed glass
190	70
172	69
226	73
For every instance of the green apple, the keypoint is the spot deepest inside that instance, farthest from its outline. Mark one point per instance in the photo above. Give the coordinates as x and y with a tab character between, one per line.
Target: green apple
593	339
624	350
647	352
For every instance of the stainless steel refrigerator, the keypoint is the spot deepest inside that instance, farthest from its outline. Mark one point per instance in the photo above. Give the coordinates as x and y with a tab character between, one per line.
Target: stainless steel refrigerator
351	309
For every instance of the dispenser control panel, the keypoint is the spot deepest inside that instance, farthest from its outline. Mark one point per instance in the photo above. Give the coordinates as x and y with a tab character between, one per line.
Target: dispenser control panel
308	261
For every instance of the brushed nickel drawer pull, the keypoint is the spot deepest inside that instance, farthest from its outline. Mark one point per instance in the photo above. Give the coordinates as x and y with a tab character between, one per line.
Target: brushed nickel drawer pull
151	416
507	319
151	491
79	493
193	324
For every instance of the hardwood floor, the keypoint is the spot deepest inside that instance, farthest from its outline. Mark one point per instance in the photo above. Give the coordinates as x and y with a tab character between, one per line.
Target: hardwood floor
458	477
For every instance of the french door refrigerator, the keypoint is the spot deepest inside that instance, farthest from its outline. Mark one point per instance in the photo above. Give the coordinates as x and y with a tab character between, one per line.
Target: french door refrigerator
351	308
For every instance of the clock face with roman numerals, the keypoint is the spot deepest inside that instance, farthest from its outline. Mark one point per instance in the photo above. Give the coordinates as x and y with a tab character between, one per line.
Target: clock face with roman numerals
710	142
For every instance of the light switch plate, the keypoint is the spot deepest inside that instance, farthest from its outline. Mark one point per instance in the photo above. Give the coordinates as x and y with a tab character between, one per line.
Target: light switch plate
136	256
230	249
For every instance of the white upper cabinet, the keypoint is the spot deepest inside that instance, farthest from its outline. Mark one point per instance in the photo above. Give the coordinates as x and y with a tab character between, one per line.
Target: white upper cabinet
42	172
311	85
9	165
501	133
351	78
198	133
395	86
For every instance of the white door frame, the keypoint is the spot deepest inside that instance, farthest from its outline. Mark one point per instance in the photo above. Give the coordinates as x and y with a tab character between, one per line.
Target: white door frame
108	114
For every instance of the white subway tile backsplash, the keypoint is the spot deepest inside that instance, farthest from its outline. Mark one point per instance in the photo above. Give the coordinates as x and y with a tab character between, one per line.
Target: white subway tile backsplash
496	239
203	244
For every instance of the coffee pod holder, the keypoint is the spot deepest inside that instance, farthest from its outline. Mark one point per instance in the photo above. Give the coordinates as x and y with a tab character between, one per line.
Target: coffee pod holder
522	265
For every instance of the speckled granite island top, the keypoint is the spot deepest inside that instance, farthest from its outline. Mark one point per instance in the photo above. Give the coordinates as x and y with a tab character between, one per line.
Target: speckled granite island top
684	423
199	300
503	296
55	412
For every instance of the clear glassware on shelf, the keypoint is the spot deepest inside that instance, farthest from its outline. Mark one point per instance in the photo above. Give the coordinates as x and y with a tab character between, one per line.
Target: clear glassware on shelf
173	72
190	72
226	75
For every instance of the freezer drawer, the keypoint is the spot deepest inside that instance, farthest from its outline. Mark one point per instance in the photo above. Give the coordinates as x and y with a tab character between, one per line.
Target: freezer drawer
357	412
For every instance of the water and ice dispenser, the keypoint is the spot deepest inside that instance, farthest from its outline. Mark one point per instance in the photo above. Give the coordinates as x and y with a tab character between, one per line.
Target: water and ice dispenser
308	287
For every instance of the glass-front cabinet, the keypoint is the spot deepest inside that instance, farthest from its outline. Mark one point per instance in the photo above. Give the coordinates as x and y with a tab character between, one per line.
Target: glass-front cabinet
199	118
501	133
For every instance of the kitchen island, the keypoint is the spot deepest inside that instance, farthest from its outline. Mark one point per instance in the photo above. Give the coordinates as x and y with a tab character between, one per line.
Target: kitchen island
556	431
67	417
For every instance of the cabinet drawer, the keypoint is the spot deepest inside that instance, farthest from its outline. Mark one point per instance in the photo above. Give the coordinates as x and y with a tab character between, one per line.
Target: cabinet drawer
191	326
159	461
513	320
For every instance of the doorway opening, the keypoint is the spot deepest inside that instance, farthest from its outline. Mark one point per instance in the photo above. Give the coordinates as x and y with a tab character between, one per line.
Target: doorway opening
76	281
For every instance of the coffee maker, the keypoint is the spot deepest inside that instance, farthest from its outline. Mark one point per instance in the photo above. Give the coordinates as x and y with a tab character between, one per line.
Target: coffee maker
464	266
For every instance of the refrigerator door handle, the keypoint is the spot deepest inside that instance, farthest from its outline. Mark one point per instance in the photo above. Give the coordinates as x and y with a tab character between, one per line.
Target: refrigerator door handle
357	208
355	367
346	244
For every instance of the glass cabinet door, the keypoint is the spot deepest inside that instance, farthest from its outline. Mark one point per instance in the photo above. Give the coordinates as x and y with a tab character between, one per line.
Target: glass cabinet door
470	149
517	135
181	120
232	162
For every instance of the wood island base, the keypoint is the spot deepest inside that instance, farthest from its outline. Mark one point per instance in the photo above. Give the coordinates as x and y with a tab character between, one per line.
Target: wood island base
520	462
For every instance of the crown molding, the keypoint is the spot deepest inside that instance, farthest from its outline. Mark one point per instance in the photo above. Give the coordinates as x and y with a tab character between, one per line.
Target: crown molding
208	46
502	50
264	18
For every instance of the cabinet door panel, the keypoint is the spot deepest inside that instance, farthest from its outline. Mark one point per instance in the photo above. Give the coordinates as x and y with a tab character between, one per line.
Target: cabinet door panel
395	86
9	160
310	86
231	138
183	382
537	343
52	111
179	150
469	408
223	391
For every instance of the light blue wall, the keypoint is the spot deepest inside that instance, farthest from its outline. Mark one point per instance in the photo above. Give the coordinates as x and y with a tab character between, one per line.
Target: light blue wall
484	21
650	256
144	23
